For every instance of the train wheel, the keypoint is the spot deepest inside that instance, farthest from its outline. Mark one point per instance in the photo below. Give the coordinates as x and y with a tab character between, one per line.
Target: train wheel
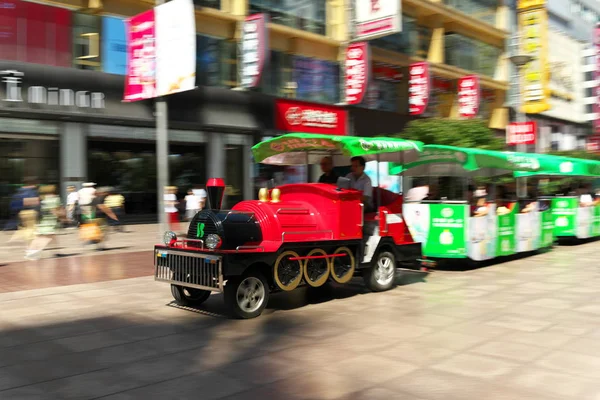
342	269
247	296
316	270
380	276
288	273
185	296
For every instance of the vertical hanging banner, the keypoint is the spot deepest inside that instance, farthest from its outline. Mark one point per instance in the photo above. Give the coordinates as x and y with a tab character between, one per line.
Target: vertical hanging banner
254	50
358	67
468	96
419	86
376	18
533	33
161	51
597	78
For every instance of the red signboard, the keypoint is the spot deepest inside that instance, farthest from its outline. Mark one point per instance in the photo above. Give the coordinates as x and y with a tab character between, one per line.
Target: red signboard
521	133
35	33
419	86
296	116
254	50
140	82
357	71
593	143
468	96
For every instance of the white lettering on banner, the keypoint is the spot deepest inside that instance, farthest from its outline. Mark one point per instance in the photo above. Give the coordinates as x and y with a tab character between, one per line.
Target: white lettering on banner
252	59
51	96
310	117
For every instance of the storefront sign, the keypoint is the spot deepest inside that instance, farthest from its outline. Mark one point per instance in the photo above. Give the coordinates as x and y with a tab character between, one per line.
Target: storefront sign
468	96
521	133
51	96
507	239
593	143
418	88
387	72
596	107
533	26
162	51
114	46
357	65
254	50
295	116
375	18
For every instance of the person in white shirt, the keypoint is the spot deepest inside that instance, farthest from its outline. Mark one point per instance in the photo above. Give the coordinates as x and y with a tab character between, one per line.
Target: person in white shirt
361	182
201	195
86	195
192	205
72	201
170	200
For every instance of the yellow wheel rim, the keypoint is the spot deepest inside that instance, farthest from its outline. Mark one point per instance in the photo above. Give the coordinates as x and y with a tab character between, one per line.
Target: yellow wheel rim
323	278
293	284
350	272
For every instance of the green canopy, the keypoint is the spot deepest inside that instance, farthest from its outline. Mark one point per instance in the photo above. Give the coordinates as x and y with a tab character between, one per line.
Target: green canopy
306	148
563	167
439	160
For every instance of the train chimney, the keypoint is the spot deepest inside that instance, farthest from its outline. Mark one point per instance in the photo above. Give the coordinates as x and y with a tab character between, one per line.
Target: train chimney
215	190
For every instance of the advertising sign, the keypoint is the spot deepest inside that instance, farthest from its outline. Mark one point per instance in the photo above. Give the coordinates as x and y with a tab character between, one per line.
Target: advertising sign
521	133
533	26
296	116
375	18
254	50
418	87
547	222
358	66
597	78
482	235
468	96
564	211
161	51
507	239
114	46
441	228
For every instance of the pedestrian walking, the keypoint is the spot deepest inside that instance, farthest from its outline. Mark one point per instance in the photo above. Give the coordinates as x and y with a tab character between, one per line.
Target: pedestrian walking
170	200
116	202
72	206
49	219
192	205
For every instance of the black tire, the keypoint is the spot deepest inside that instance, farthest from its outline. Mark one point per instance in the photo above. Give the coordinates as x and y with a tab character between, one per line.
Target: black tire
247	296
185	296
377	277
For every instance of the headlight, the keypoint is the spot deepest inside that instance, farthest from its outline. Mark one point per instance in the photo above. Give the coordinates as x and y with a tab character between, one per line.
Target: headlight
169	238
213	241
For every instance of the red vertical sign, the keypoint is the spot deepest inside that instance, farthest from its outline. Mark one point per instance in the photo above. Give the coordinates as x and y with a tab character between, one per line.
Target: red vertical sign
419	86
521	133
358	65
140	81
468	96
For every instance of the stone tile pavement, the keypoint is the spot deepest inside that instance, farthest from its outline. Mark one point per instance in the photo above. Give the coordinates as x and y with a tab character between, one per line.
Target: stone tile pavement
525	329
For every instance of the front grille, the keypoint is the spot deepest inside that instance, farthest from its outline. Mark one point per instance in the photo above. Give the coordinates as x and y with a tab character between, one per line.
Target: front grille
196	270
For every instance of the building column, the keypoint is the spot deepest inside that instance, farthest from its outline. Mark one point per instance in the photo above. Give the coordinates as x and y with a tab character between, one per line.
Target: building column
216	156
73	156
436	46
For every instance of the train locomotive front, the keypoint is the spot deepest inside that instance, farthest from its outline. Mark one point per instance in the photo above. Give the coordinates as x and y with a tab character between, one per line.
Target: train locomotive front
292	235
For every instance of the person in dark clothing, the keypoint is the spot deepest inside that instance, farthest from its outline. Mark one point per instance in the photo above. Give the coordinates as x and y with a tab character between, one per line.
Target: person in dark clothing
329	176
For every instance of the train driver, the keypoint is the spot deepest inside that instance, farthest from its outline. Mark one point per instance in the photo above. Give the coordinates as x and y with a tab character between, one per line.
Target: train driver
329	175
361	181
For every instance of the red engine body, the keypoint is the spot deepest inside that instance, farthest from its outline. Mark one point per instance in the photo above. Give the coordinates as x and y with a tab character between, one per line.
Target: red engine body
307	213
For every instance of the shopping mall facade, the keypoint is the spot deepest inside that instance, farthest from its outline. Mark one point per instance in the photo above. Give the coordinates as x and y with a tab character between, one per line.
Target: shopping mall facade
62	118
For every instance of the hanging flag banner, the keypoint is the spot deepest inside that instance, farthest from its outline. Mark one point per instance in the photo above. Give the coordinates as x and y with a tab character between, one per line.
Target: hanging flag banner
161	51
521	133
254	50
533	32
376	18
358	66
419	86
468	96
596	107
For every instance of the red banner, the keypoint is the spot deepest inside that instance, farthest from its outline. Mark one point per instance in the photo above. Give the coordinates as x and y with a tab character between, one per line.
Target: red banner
255	50
469	96
357	65
140	82
521	133
296	116
596	107
419	86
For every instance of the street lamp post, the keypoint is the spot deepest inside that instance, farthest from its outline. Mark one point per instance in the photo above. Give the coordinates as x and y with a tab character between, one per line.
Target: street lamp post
162	156
520	61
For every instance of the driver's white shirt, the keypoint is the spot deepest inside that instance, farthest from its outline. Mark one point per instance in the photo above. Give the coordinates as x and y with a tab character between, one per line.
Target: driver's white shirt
363	184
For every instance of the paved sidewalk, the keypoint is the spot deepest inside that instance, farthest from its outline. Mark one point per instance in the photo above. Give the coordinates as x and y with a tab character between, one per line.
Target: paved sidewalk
67	243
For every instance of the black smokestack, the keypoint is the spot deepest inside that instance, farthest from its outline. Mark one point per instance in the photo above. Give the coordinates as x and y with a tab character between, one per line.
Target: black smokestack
215	190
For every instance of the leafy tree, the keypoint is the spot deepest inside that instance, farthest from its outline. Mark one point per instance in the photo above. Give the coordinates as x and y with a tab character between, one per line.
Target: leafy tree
576	154
472	133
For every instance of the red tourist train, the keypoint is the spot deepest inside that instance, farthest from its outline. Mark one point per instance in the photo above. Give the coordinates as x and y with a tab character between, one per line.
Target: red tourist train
293	234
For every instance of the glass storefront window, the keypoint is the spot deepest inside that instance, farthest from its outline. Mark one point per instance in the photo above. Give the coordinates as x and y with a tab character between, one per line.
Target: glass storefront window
316	80
471	54
216	62
413	40
483	10
86	41
306	15
216	4
274	77
234	175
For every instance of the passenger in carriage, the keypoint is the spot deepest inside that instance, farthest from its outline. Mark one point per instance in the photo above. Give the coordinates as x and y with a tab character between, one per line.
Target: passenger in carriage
329	175
361	182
